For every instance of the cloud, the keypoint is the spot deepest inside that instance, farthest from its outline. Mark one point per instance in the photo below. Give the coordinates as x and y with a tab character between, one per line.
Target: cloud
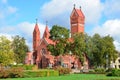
6	10
6	35
110	27
24	29
61	10
117	44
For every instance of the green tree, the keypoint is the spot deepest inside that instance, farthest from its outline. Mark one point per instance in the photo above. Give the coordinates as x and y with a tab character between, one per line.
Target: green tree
78	46
101	48
20	48
6	52
98	50
109	49
88	49
59	32
60	35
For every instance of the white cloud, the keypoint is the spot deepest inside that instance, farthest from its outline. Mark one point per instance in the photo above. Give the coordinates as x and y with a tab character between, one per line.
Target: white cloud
6	35
6	9
24	29
117	44
27	28
91	8
110	27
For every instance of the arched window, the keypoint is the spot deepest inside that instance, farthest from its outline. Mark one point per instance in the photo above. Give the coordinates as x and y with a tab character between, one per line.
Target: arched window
43	51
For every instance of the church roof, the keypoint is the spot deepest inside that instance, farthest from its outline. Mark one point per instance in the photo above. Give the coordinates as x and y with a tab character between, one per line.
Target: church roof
49	41
80	13
46	32
36	29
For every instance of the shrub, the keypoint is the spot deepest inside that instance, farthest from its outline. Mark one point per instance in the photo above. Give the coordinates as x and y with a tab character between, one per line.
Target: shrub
63	71
16	72
114	72
100	70
25	67
41	73
11	73
4	73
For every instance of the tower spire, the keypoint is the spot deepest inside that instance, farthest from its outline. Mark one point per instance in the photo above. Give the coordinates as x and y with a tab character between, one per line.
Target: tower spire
80	7
36	20
74	6
46	22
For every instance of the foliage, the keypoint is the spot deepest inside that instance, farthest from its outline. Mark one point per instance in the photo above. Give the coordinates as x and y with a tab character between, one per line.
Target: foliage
20	48
78	46
25	67
100	70
11	73
62	70
6	53
114	72
41	73
100	47
60	35
59	32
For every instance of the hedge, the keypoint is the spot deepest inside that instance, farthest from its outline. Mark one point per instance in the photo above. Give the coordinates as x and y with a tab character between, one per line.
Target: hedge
114	72
40	73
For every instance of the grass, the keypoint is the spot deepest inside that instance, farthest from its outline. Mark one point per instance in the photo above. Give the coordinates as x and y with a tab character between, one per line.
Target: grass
72	77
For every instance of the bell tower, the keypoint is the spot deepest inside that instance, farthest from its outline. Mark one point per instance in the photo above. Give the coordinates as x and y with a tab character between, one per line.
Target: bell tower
77	21
36	36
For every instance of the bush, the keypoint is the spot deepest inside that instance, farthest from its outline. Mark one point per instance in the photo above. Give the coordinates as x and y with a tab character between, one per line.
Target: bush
63	71
41	73
100	70
16	72
114	72
11	73
25	67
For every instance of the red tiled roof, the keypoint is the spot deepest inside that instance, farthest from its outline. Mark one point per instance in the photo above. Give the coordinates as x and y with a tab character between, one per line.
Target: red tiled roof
46	33
49	41
36	27
80	13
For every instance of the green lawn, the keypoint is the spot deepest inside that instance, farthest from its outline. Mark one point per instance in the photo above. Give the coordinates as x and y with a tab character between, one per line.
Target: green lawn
72	77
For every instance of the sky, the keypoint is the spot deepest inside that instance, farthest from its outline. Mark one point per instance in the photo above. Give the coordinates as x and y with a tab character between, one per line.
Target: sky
18	17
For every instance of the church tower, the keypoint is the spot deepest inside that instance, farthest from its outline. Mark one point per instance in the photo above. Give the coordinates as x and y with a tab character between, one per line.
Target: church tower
36	37
77	21
46	32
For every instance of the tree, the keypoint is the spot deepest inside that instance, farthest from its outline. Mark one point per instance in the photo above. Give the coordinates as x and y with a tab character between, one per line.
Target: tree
78	46
20	48
97	50
101	48
109	49
88	49
60	35
6	52
59	32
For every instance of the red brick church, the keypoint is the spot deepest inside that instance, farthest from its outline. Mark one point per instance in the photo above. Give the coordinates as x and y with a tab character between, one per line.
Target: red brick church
43	58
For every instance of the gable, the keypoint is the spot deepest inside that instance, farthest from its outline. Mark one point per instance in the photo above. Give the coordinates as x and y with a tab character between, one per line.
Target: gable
43	42
74	13
77	13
